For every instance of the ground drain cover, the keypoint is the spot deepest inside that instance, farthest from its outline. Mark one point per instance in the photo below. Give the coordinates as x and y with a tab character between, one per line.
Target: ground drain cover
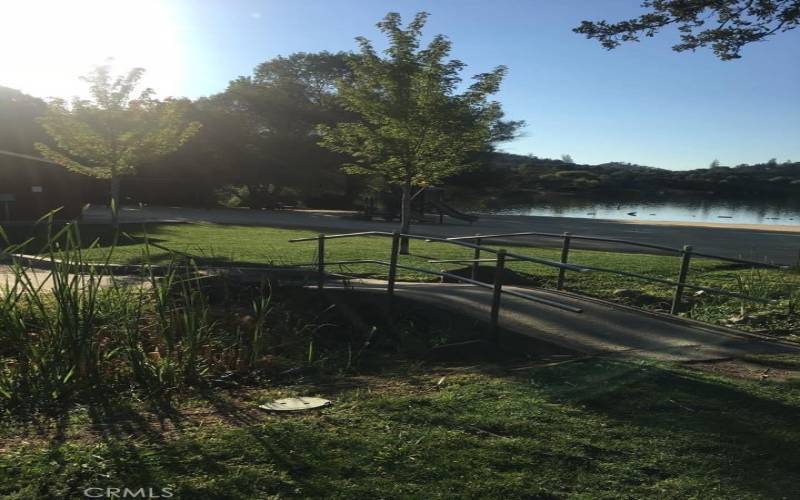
295	404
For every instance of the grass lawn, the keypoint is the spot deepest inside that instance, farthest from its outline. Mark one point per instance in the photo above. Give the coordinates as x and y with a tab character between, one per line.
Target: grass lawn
210	243
585	429
167	393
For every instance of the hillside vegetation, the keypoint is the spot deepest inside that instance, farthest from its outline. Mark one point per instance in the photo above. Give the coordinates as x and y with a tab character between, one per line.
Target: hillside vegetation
510	177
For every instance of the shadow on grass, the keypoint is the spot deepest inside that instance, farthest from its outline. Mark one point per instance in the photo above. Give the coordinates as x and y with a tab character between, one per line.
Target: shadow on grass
590	427
102	235
163	256
741	429
616	426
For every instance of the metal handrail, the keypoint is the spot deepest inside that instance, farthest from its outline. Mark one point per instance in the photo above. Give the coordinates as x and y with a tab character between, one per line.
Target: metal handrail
644	277
429	239
532	298
345	235
497	286
545	262
485	237
556	235
563	266
686	254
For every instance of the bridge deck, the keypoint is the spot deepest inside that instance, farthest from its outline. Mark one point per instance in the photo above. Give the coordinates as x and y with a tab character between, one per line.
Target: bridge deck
602	327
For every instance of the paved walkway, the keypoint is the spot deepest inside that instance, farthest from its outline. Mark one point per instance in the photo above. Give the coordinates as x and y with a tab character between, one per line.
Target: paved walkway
7	276
41	279
778	244
602	327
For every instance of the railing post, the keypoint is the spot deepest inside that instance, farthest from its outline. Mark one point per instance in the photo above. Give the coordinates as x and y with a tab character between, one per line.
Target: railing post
498	290
320	260
564	258
685	259
476	256
393	264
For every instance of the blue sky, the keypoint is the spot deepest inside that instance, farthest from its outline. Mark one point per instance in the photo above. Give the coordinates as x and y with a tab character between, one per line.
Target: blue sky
641	103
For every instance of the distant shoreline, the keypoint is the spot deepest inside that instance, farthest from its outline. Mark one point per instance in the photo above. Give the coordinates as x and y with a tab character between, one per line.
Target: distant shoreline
774	228
779	228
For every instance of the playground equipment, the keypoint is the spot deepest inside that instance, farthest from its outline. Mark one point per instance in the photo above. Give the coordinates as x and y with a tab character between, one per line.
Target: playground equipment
427	200
433	197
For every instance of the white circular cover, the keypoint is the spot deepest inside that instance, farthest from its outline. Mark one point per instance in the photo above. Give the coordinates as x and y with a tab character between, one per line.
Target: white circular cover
295	404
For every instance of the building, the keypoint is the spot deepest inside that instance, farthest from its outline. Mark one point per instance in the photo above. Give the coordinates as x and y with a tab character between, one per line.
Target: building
31	187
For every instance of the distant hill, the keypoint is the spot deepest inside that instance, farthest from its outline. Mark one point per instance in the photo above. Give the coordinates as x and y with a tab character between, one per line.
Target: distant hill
511	175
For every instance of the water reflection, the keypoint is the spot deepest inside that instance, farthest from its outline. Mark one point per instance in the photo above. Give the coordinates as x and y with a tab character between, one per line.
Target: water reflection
689	209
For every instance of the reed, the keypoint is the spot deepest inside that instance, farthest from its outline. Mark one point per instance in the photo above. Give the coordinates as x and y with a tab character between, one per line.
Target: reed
76	330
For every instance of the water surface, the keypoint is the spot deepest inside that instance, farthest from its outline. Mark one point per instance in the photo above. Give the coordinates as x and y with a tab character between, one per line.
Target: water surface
784	212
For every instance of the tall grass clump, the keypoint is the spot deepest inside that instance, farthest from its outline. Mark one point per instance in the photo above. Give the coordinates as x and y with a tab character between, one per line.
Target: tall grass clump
74	330
776	311
48	321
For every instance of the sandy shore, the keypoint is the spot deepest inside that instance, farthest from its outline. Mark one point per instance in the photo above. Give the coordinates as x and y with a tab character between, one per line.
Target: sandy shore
775	228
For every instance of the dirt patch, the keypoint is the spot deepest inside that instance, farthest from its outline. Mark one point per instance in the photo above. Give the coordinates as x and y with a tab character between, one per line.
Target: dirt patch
750	369
237	408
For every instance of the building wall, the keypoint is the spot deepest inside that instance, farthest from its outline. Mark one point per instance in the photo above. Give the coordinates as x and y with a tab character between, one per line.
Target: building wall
30	189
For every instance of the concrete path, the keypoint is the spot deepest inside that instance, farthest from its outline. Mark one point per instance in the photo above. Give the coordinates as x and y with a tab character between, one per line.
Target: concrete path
8	277
41	278
602	327
778	244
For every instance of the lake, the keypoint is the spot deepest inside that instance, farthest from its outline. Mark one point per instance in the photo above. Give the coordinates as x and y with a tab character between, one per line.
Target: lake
783	212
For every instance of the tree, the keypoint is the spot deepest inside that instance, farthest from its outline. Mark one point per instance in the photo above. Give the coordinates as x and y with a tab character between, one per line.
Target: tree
108	136
725	26
279	108
413	128
19	129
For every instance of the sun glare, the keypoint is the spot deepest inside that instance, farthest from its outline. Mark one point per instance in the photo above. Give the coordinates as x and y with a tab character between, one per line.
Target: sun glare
49	44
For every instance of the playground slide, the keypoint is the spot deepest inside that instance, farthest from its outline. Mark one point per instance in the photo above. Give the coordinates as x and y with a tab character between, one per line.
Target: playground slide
452	212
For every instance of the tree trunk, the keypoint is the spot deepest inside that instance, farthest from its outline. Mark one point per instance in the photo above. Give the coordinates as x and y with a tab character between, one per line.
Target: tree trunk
115	200
405	216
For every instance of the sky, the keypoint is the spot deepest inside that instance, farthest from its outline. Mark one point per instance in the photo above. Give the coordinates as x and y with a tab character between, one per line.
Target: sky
641	103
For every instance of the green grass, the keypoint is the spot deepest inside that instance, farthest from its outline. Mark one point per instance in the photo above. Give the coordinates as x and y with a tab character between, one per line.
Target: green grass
262	245
158	386
590	429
